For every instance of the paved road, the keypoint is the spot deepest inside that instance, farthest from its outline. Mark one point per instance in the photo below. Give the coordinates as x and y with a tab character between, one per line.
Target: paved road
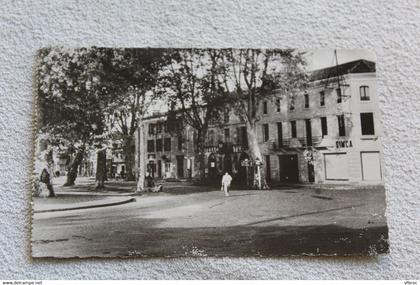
248	223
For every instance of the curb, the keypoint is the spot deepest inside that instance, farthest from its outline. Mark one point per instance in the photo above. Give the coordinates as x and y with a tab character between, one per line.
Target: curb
89	206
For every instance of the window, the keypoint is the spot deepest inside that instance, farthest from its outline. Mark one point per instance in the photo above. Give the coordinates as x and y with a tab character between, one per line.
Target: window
151	129
211	137
324	126
226	115
265	132
293	127
167	144
322	98
339	95
280	134
341	126
244	137
194	137
306	96
238	136
159	127
364	93
308	127
180	142
265	108
227	135
167	167
292	105
150	145
278	105
159	145
368	126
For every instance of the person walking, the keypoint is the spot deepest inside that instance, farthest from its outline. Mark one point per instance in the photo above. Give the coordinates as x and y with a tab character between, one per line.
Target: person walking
226	180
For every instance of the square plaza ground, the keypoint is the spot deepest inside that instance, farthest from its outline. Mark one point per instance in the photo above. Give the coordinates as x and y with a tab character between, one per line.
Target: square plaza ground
188	220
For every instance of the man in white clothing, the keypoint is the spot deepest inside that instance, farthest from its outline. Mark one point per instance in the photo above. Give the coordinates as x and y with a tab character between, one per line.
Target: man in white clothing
226	180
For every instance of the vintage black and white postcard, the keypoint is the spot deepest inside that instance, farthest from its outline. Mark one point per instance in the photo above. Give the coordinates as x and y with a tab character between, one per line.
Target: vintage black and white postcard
207	152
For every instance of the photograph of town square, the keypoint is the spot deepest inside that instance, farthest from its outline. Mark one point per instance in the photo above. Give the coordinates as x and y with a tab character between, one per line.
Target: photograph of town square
147	152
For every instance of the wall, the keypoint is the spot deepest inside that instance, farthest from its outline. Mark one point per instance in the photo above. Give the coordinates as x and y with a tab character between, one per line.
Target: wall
391	28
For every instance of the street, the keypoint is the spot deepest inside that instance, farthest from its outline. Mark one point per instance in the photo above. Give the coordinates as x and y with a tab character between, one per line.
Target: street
188	220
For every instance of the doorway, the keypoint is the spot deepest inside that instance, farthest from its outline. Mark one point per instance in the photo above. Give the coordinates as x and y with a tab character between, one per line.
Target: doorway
227	164
371	166
180	166
289	171
267	169
159	168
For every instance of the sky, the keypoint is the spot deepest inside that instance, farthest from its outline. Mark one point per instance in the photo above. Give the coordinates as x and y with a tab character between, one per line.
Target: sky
317	59
322	58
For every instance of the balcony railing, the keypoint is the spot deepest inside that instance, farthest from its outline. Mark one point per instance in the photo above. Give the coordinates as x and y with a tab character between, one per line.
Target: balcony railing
239	148
211	148
314	141
276	145
296	142
226	148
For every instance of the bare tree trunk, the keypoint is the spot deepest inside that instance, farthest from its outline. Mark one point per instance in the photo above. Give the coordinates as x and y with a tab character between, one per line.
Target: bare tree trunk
200	152
255	153
48	182
101	169
73	168
141	159
129	157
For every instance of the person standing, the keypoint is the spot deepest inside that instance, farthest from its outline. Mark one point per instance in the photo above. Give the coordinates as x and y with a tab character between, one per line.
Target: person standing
226	181
46	178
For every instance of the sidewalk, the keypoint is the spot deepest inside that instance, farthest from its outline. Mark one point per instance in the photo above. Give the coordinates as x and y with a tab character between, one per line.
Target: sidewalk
328	186
40	205
84	195
86	185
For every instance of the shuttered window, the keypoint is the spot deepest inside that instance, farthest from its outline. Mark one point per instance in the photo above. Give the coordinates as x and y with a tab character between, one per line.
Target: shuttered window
341	126
150	146
167	144
265	132
293	128
324	126
322	98
367	123
364	93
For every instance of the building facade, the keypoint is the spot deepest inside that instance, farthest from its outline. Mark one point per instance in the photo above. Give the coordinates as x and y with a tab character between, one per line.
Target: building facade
168	155
329	134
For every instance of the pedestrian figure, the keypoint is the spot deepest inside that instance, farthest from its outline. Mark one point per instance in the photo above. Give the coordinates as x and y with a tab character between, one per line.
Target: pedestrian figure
226	180
45	178
149	179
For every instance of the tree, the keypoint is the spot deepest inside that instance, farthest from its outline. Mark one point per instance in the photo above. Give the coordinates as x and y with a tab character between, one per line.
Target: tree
194	90
101	169
251	76
131	75
71	101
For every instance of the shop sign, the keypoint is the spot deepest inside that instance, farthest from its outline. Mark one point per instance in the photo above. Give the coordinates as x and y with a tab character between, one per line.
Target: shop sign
343	144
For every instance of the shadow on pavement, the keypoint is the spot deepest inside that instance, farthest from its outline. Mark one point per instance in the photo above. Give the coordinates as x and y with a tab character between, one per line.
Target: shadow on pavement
303	214
243	241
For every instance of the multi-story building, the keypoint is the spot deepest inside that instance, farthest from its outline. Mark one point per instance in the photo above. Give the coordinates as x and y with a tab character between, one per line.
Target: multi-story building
328	134
168	155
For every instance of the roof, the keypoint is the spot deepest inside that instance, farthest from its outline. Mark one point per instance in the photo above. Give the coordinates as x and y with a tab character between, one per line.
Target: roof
357	66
